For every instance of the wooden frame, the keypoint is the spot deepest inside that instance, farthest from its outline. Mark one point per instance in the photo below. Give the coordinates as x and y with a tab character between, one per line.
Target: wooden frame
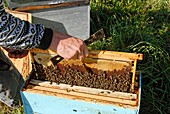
103	56
22	15
91	94
23	65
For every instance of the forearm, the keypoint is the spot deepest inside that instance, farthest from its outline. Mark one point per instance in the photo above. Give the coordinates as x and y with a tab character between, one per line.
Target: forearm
18	34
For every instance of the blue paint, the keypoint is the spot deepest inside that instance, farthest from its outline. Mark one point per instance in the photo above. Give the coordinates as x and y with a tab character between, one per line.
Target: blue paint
140	88
45	104
27	107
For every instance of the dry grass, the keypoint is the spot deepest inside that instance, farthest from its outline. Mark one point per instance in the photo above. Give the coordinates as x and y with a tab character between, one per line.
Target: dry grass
4	109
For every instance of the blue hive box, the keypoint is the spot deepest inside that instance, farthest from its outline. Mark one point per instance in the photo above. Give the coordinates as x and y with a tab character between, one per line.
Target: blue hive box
41	102
43	97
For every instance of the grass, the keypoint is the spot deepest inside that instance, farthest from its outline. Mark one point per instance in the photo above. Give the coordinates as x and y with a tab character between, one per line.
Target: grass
141	26
7	110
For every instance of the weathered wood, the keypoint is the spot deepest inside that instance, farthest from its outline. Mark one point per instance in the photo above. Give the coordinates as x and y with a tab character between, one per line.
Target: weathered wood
84	95
71	97
119	56
38	7
133	76
81	89
103	54
44	59
105	65
100	64
22	15
36	50
23	65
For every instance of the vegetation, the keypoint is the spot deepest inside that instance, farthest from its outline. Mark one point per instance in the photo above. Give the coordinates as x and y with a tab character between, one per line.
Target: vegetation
7	110
137	26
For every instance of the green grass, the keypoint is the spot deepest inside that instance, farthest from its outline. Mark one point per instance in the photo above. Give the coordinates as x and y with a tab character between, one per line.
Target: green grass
141	26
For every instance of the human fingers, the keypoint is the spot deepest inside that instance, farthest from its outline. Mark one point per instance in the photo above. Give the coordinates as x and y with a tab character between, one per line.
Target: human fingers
80	49
81	56
85	50
78	55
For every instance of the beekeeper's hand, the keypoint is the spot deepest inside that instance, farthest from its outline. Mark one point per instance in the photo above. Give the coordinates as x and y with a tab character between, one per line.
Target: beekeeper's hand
68	46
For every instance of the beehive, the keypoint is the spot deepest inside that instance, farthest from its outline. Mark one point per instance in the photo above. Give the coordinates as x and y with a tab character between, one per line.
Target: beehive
44	96
47	97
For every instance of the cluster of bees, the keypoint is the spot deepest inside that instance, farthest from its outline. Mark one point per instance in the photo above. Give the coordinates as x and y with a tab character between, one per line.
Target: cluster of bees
111	80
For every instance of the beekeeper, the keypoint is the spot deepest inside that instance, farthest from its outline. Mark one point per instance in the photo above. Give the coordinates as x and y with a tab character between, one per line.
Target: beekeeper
19	36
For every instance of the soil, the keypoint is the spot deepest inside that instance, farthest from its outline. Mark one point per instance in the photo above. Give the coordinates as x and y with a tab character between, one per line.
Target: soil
107	80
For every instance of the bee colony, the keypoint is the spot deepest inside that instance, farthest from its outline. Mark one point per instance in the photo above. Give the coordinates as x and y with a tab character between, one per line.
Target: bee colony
112	74
103	78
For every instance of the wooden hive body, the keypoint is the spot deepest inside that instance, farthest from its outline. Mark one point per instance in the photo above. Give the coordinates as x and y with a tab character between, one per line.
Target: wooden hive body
84	100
